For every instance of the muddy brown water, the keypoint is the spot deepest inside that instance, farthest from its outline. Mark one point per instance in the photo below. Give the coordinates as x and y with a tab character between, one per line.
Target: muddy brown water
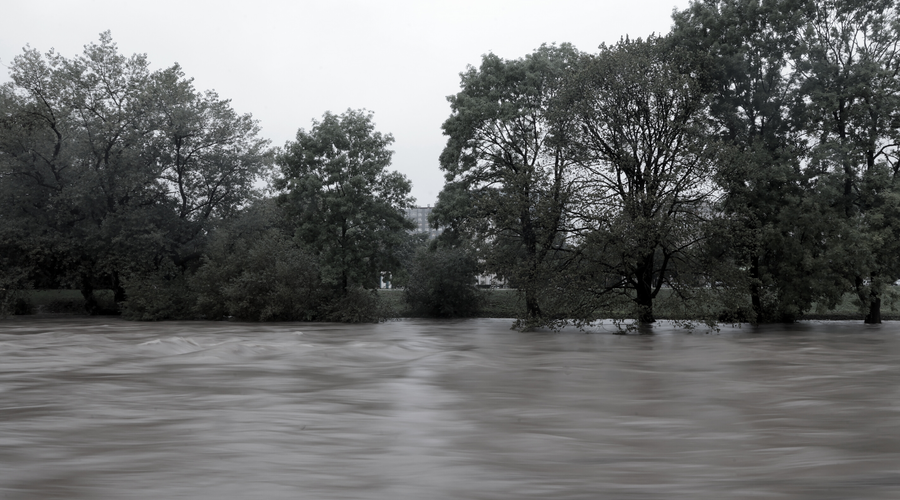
416	409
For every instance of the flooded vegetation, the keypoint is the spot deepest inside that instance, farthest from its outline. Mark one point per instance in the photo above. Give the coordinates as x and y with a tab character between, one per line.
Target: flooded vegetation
101	408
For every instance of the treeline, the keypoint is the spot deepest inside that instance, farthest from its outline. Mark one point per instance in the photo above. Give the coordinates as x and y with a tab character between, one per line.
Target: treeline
115	177
742	168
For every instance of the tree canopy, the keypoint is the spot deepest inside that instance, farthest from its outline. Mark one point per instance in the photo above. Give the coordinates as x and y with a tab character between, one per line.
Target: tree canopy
109	169
344	203
750	158
645	167
507	158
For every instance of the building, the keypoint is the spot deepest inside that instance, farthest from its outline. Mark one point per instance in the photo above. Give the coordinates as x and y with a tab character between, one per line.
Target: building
419	215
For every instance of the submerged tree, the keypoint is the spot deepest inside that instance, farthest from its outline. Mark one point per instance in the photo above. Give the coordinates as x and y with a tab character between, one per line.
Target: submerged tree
741	51
849	65
645	178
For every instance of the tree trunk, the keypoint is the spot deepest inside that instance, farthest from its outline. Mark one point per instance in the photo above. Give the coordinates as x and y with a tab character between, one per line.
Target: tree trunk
644	291
874	315
532	308
118	290
90	302
755	298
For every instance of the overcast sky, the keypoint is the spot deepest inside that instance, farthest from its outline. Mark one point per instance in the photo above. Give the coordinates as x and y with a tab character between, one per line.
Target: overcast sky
288	62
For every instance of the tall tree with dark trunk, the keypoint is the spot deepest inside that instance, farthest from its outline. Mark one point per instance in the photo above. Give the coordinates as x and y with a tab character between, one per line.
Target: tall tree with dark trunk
645	178
508	169
345	205
849	65
741	50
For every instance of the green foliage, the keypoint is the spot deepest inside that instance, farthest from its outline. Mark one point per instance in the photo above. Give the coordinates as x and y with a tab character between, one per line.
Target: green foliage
342	202
109	169
442	283
741	51
507	168
645	169
158	296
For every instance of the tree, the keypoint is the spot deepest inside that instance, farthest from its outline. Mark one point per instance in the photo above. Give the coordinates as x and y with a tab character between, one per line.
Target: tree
109	169
645	169
741	49
254	270
849	64
346	207
508	170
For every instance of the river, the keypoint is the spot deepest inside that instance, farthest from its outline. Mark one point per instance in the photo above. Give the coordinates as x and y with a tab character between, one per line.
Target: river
100	408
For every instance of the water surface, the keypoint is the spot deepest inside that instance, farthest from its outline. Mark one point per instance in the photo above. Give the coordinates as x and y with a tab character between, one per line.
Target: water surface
107	409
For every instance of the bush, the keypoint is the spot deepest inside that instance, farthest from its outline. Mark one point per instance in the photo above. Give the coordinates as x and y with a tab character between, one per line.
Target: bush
441	283
13	286
251	271
265	279
158	296
358	305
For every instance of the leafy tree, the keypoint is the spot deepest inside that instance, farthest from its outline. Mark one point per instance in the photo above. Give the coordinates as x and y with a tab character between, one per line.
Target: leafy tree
344	204
849	64
742	50
508	169
645	188
109	169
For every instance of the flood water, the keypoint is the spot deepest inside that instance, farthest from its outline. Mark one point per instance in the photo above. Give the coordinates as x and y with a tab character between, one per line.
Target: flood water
108	409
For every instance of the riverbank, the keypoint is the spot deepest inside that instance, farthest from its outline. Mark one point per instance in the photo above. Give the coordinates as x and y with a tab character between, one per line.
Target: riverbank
498	303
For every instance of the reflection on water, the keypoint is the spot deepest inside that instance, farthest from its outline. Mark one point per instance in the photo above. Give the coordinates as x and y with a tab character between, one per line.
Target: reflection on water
107	409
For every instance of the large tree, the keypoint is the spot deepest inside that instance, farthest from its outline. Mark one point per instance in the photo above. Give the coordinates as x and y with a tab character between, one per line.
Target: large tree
109	169
645	178
849	65
741	50
345	205
508	169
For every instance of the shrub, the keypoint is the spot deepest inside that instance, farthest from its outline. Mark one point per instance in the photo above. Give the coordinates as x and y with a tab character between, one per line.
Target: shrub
264	279
158	296
358	305
441	283
13	286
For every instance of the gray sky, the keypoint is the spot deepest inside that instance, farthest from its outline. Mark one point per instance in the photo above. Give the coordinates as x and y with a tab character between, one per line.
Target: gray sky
287	62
